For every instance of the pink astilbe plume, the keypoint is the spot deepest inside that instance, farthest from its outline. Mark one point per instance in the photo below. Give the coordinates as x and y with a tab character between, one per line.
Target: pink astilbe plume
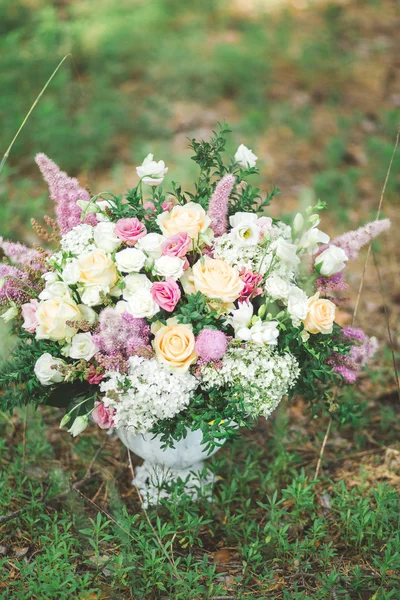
64	191
361	352
22	256
218	207
121	333
352	241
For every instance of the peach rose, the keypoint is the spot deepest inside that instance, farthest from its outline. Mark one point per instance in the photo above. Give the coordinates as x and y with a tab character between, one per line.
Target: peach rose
321	315
52	316
98	268
190	218
214	278
174	345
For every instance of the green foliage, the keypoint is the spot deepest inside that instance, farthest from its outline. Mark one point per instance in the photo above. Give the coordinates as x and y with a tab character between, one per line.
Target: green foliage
197	313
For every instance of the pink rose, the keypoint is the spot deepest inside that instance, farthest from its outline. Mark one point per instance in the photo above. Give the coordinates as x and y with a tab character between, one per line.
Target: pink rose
103	415
176	245
264	222
94	378
130	230
251	281
166	294
167	206
29	314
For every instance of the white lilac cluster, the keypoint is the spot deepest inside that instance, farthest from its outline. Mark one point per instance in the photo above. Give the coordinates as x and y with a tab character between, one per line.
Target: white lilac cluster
149	393
263	376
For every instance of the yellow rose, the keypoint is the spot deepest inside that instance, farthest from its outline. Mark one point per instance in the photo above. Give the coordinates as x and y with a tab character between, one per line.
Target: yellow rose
216	279
321	315
174	346
190	218
98	268
52	316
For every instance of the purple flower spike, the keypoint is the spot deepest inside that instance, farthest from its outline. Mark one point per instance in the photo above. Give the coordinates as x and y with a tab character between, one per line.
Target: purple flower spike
218	207
65	191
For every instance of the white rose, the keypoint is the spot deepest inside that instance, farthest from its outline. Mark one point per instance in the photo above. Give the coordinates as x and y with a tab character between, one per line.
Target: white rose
93	294
141	305
297	305
105	238
151	244
242	218
169	266
246	234
88	314
130	260
265	333
58	289
152	172
331	261
245	157
71	272
241	317
46	369
82	346
286	251
310	239
135	282
277	287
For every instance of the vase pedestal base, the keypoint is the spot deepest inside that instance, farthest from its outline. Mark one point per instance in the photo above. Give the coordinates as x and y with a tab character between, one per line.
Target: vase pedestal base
154	481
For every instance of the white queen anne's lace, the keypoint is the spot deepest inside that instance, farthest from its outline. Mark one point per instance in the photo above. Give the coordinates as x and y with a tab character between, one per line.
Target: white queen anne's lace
78	241
149	393
263	375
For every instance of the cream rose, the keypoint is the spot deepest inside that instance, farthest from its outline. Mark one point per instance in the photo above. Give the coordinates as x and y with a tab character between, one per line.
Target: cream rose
98	268
174	346
52	316
216	279
190	218
321	315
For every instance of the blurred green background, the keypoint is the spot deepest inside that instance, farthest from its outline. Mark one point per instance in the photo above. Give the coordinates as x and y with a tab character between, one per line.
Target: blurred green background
312	87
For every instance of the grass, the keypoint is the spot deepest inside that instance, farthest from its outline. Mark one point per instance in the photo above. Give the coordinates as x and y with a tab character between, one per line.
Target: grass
273	530
313	92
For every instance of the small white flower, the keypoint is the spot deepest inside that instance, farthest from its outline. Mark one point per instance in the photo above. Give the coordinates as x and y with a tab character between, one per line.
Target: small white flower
130	260
58	289
151	244
105	238
242	218
135	282
331	261
46	369
71	272
169	266
152	172
78	425
264	222
277	287
50	277
92	295
265	333
141	305
241	317
10	314
246	234
310	239
82	346
245	157
121	307
298	223
297	305
286	251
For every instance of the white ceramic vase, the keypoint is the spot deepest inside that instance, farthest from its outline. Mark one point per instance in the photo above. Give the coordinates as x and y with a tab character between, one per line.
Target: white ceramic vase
185	461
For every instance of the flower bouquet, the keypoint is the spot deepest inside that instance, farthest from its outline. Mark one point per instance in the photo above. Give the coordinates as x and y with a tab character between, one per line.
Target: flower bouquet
175	318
